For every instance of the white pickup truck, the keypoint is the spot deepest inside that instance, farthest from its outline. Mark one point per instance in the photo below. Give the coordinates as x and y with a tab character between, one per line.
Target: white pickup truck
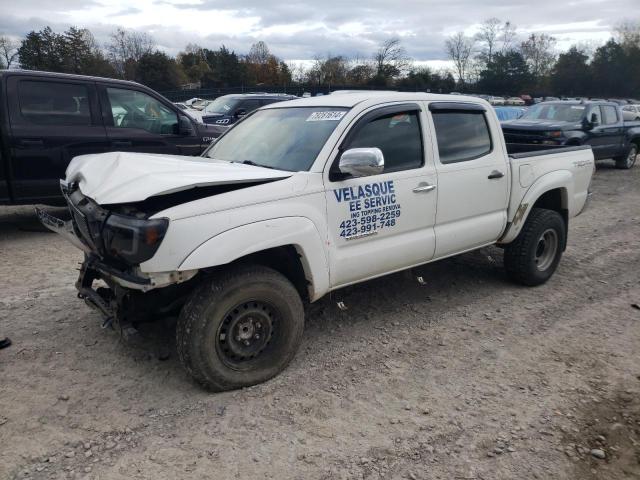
302	198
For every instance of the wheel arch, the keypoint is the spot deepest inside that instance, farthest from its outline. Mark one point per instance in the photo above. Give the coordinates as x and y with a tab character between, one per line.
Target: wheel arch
551	191
290	245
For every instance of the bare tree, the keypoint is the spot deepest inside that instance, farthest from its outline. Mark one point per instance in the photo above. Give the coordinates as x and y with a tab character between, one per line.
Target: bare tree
508	35
259	53
489	33
538	51
391	59
8	51
127	46
459	48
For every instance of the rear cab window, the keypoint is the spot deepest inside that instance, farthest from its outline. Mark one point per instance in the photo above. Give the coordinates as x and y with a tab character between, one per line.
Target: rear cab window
54	103
462	135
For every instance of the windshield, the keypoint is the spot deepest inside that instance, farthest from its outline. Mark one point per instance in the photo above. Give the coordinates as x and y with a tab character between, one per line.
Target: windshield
221	105
281	138
555	111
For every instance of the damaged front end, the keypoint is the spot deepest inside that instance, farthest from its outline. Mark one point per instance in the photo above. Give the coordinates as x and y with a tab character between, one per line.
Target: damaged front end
115	242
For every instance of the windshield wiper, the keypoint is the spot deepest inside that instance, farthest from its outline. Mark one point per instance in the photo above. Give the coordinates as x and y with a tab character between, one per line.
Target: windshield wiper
254	164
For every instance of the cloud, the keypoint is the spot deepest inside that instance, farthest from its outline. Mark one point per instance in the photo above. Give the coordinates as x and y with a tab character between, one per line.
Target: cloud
304	29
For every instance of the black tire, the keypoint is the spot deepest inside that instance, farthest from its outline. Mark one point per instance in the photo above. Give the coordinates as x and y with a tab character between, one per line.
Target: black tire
628	161
534	255
240	328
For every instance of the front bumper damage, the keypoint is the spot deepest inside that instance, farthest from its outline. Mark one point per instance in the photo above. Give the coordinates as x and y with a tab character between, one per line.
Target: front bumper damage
123	295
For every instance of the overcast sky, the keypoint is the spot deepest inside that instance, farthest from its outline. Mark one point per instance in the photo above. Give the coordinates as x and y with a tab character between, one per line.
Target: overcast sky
297	30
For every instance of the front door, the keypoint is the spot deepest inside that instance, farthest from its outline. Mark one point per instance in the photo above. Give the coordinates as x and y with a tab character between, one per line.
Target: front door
473	177
384	222
137	122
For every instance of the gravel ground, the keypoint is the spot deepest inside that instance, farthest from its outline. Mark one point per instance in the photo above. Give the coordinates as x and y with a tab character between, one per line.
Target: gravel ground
466	377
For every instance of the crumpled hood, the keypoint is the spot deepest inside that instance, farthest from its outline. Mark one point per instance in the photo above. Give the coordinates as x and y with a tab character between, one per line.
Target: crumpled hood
122	177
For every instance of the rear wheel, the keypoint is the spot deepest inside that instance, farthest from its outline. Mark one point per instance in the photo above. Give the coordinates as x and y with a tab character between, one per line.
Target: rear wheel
241	328
628	161
532	258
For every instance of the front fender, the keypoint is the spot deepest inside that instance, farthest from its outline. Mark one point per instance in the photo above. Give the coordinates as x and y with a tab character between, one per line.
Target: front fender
559	179
254	237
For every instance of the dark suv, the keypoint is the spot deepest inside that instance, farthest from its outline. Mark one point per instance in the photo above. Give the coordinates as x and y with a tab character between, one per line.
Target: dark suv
46	119
228	109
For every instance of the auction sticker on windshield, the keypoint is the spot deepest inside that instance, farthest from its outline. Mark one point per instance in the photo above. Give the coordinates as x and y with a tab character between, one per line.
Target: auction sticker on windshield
325	116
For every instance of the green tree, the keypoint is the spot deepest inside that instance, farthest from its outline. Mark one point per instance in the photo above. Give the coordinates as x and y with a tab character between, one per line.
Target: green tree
158	71
571	74
43	50
611	71
508	73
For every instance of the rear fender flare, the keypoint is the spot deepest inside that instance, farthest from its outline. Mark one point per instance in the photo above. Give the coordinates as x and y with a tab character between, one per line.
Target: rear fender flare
560	179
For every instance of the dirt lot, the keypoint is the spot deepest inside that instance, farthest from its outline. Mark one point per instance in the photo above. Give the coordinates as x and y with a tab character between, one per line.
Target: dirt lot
467	377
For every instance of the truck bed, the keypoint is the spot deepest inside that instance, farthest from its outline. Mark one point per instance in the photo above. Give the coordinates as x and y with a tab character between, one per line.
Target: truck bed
525	150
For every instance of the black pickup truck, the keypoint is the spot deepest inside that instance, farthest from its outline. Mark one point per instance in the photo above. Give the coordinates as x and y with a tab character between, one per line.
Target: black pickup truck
570	123
46	119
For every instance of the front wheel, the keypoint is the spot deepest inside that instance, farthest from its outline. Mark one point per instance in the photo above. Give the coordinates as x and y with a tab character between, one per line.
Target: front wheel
534	255
240	328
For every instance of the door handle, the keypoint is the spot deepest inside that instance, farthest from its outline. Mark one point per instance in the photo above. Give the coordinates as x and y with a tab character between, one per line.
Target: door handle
121	143
495	174
32	143
424	187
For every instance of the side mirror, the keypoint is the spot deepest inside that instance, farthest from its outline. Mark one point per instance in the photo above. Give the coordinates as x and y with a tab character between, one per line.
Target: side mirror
361	162
240	113
185	127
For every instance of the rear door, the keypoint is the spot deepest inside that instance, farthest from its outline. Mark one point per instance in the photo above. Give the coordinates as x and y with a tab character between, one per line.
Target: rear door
52	121
381	223
596	137
613	130
473	177
136	121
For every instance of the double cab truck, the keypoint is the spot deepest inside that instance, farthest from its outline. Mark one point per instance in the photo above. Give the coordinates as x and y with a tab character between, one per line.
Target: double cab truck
46	119
599	124
300	199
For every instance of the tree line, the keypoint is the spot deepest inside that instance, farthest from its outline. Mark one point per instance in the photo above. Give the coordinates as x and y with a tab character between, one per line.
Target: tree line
496	61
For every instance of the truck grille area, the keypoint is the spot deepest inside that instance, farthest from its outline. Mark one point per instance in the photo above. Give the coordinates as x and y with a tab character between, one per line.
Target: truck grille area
518	136
88	220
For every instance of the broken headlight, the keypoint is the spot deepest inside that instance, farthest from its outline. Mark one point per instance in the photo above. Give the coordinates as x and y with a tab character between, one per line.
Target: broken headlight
131	239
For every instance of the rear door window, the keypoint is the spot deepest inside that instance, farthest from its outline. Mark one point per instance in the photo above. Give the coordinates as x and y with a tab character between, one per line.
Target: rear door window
54	103
609	115
461	135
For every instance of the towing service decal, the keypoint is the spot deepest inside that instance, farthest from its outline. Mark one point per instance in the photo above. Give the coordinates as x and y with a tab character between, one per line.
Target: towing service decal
372	207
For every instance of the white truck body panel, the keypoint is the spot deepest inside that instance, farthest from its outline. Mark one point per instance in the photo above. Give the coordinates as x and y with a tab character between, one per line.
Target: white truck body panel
465	209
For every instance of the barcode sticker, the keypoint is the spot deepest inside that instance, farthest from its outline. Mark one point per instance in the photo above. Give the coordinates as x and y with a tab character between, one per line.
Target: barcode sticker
325	116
